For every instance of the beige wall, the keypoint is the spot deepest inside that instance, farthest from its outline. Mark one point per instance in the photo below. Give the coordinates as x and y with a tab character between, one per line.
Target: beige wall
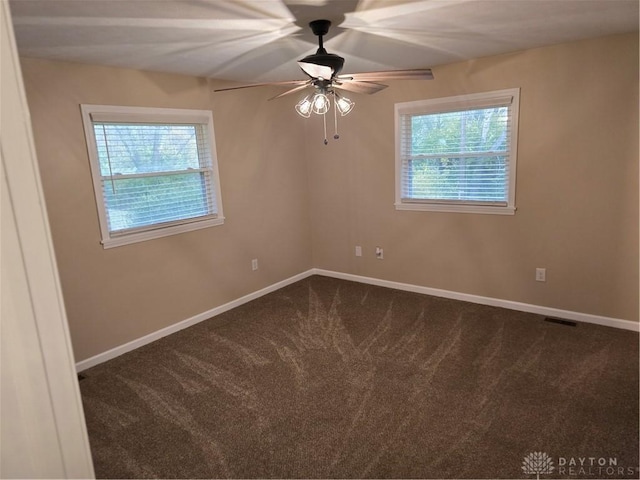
576	193
294	203
118	295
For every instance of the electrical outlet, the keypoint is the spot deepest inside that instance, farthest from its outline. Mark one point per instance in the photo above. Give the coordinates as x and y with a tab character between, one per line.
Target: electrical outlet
358	251
541	274
379	253
254	264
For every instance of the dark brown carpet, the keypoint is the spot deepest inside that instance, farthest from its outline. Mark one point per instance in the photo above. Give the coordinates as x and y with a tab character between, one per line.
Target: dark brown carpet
327	378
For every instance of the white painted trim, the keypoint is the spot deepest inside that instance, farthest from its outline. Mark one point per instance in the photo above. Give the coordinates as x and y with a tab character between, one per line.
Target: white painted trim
152	337
450	208
188	226
115	113
42	426
508	97
494	302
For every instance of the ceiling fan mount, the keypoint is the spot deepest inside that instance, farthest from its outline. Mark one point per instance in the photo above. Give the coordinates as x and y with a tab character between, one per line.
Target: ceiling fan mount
320	27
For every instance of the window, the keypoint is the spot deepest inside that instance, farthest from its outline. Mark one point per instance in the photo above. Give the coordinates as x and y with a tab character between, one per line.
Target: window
458	154
154	171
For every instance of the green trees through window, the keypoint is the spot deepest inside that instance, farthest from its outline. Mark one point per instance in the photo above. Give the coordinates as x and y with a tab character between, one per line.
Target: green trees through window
152	174
154	171
459	155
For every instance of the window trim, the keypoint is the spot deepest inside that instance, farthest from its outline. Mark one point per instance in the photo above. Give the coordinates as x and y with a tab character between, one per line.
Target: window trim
457	103
113	113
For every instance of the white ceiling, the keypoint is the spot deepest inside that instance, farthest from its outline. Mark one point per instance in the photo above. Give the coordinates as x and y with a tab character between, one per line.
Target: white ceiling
260	40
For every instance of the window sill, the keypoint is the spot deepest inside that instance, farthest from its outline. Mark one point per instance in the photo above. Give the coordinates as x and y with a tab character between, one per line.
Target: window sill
160	232
434	207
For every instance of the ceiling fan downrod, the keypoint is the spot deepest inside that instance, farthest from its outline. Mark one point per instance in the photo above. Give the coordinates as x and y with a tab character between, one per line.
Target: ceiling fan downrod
321	57
320	28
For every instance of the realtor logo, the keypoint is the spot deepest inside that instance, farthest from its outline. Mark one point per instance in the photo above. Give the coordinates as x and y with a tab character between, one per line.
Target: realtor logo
537	463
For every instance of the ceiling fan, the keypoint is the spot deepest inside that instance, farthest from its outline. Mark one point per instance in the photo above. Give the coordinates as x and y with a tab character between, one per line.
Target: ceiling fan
323	70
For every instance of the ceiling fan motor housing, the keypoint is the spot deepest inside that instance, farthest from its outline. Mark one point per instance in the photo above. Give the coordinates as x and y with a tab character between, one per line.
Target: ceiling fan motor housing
327	60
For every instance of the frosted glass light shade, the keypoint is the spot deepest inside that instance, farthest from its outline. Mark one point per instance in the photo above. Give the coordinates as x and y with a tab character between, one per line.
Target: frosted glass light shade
344	105
320	103
304	107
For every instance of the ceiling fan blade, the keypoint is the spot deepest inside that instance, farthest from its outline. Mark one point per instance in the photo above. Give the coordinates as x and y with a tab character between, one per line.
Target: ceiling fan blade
415	74
293	90
315	71
289	82
359	87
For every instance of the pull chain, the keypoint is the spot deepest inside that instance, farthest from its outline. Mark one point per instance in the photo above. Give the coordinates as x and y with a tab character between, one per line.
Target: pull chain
324	120
335	117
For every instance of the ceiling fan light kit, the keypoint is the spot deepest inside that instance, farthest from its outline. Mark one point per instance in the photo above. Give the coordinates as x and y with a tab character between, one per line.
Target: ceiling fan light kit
323	70
319	103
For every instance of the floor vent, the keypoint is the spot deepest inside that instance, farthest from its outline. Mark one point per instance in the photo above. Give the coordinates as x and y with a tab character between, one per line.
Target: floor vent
560	321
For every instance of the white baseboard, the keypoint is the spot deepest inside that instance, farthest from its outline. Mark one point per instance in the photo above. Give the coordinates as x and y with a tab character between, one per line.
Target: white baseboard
152	337
495	302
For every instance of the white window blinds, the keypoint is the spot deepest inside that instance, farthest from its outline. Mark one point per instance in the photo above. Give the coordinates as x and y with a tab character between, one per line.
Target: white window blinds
152	171
153	174
457	151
